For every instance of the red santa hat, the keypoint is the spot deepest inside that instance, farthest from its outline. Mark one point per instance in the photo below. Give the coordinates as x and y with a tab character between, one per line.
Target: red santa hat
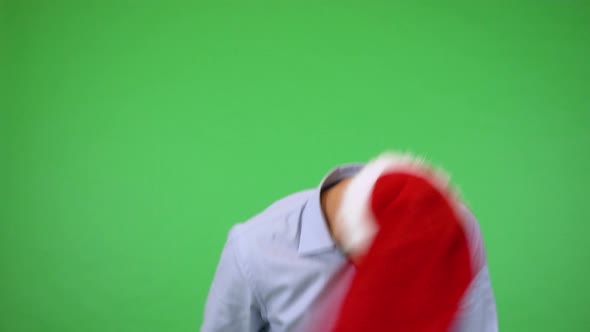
399	221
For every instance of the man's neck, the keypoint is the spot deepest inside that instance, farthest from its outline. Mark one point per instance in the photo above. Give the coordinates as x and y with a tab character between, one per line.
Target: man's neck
330	203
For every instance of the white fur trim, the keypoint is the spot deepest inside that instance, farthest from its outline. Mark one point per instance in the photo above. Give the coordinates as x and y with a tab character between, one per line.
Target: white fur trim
355	223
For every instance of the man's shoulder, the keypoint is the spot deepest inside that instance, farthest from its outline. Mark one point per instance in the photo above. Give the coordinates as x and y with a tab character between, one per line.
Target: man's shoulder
262	243
277	217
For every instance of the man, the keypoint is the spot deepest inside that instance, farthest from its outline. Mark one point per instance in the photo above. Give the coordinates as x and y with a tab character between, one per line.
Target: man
284	269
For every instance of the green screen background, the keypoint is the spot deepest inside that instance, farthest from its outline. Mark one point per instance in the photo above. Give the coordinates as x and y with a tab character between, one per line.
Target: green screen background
134	134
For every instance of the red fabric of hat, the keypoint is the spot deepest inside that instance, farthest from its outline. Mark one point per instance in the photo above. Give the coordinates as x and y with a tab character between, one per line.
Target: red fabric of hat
412	255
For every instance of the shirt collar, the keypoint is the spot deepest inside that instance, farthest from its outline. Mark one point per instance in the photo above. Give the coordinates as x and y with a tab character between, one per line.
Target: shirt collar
315	236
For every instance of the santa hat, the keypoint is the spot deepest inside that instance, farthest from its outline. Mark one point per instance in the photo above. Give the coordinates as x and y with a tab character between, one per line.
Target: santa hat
400	222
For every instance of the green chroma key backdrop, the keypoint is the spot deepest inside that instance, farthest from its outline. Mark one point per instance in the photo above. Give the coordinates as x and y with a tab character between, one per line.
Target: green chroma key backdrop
135	133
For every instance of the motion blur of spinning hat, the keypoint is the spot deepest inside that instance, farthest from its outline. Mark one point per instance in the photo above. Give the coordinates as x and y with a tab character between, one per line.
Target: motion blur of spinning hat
399	223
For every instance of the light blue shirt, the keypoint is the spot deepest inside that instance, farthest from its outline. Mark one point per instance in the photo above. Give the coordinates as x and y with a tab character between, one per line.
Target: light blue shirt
274	267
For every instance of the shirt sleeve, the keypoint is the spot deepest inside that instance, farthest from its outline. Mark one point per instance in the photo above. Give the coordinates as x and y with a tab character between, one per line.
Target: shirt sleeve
231	304
478	308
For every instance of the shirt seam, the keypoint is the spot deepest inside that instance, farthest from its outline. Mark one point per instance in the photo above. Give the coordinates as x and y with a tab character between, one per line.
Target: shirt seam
247	276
